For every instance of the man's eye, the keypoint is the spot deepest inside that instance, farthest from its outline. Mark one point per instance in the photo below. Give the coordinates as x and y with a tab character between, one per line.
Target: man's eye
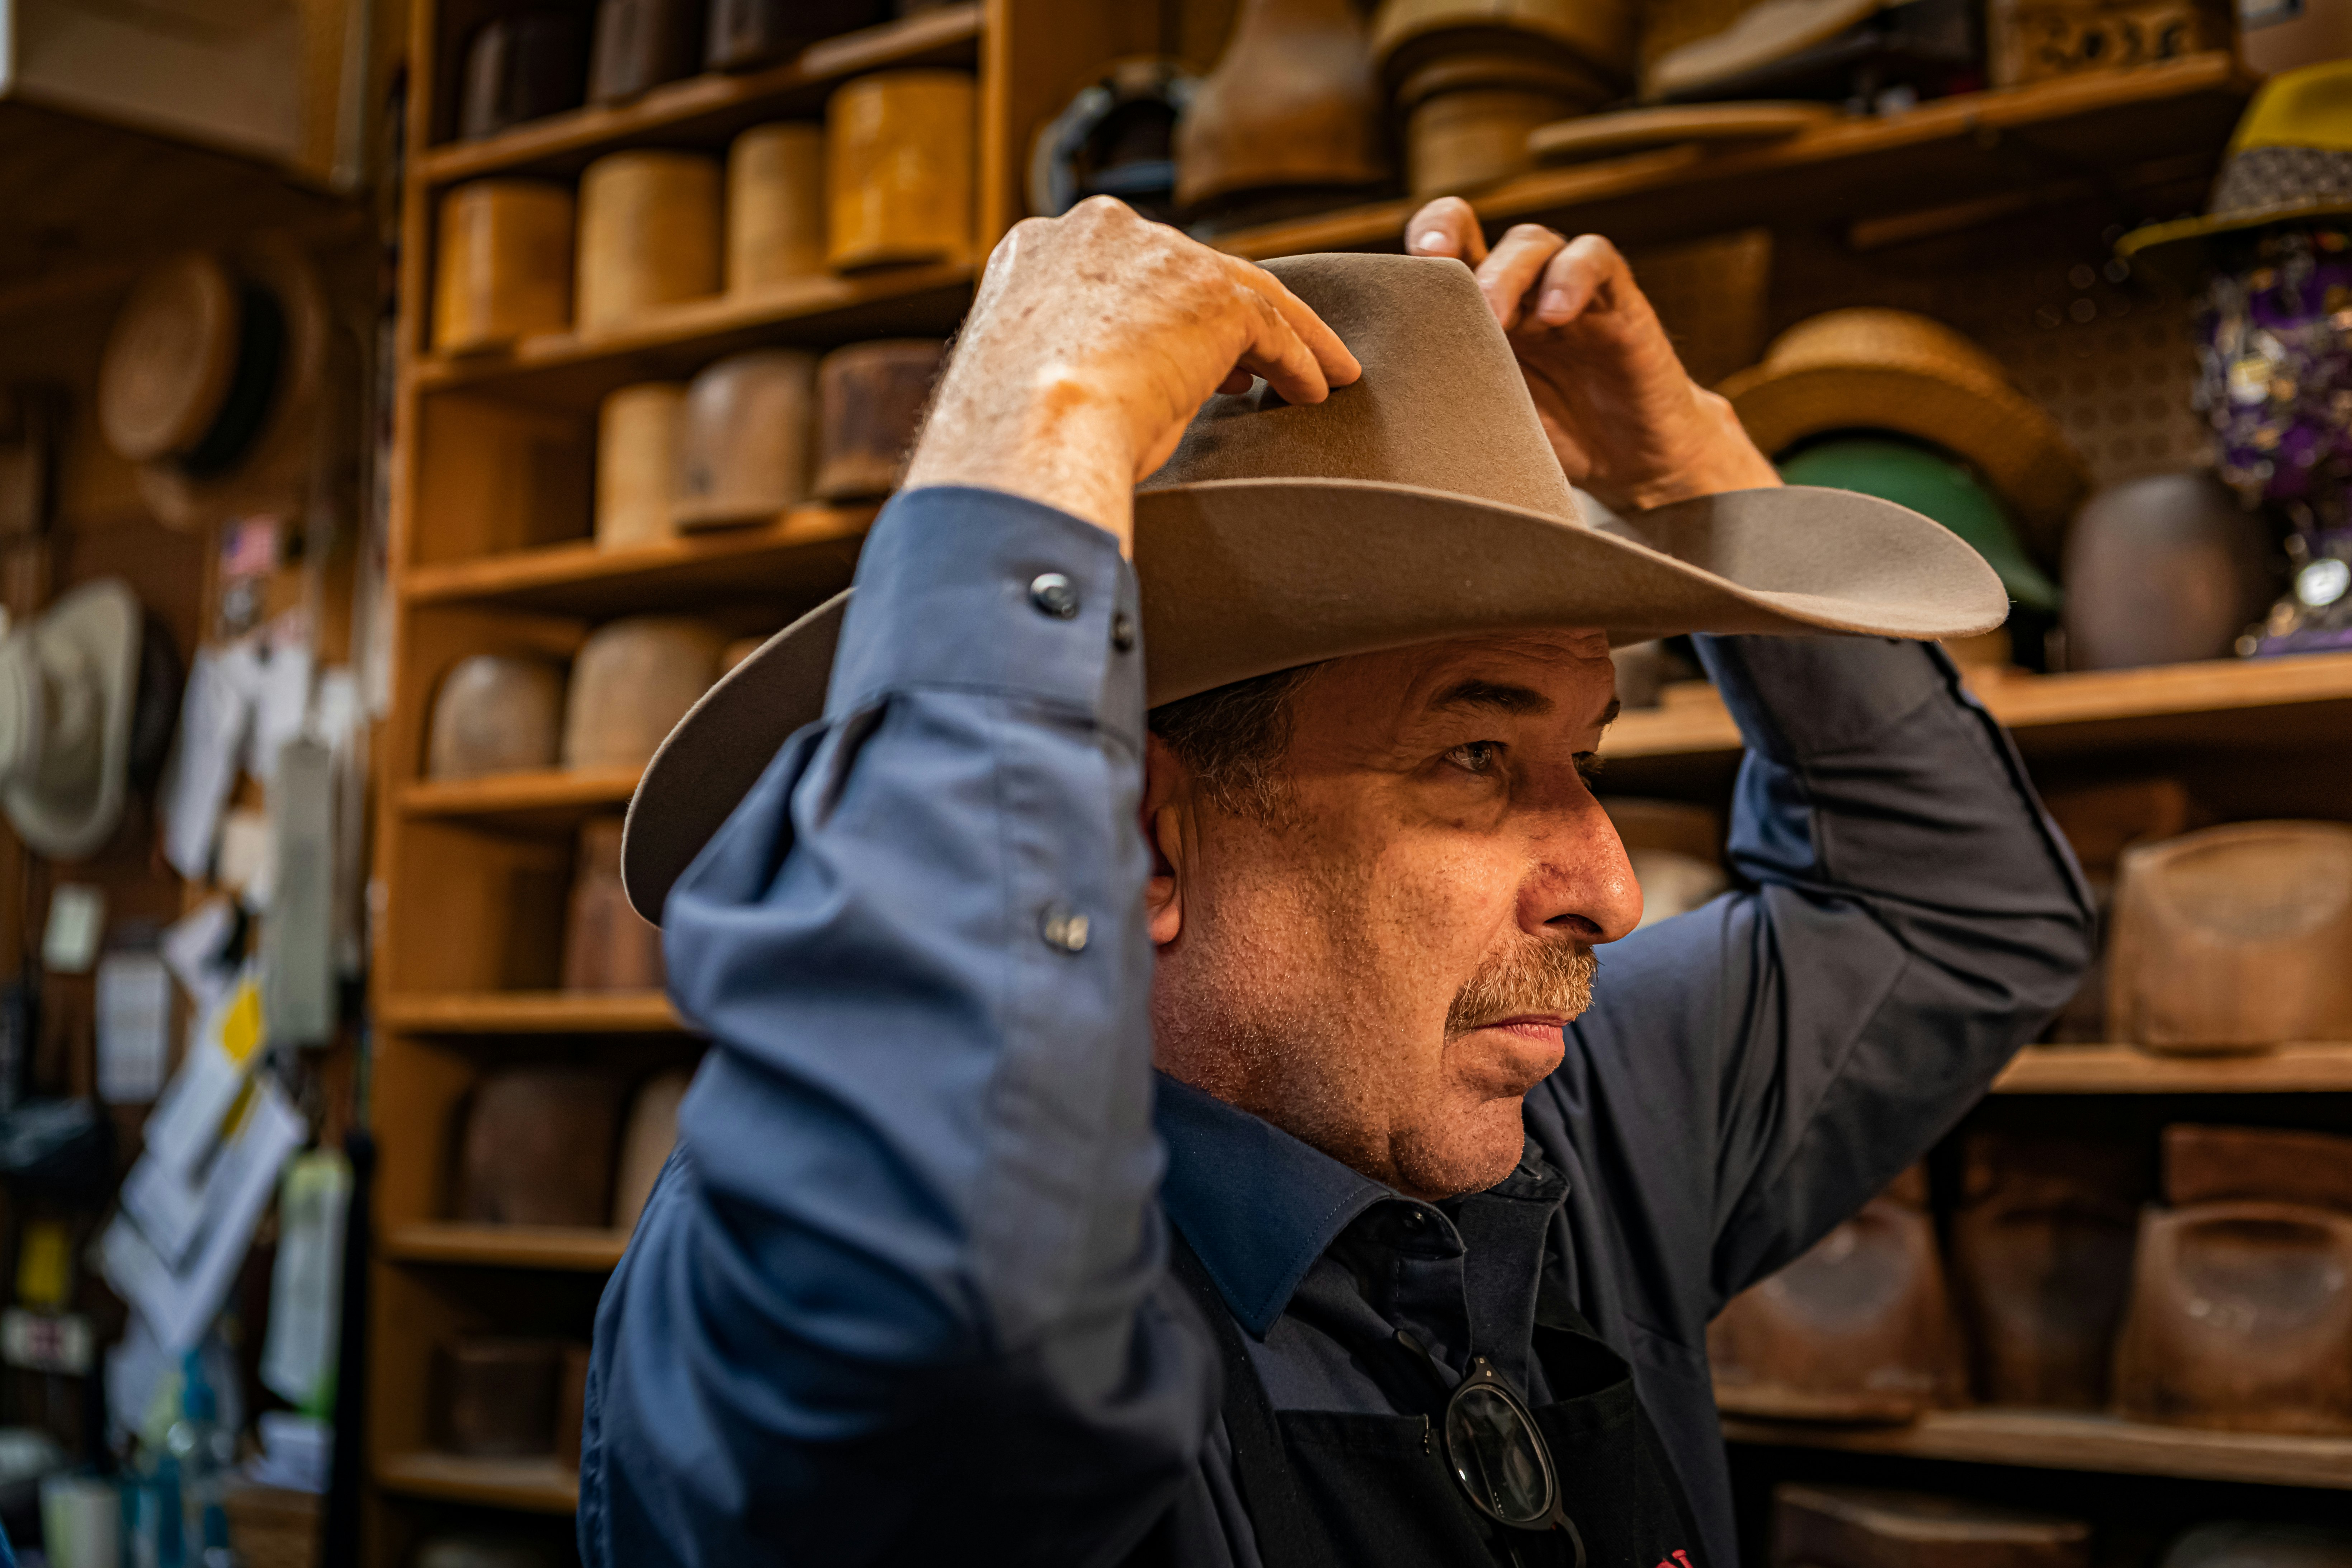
1477	757
1588	765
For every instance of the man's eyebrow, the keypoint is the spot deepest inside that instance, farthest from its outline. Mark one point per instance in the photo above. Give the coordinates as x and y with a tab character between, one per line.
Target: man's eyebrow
1492	695
1609	716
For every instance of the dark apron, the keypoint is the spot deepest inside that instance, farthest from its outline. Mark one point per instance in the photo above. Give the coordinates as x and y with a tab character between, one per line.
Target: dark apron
1376	1491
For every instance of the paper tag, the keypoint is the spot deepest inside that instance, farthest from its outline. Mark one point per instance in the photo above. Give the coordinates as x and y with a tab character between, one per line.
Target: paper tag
188	1121
134	1019
46	1341
76	921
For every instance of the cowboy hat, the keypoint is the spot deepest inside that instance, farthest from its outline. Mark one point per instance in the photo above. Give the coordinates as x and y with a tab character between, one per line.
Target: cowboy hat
210	373
1868	369
1422	503
2290	159
68	683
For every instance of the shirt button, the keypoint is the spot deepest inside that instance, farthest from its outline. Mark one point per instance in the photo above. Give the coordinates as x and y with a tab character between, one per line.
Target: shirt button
1415	1221
1054	594
1063	928
1122	632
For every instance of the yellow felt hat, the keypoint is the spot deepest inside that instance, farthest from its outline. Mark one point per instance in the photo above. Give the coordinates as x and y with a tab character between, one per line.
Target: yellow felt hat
2290	158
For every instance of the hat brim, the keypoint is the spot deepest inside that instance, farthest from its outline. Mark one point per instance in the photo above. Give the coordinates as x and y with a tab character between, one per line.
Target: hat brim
100	621
1244	577
2177	249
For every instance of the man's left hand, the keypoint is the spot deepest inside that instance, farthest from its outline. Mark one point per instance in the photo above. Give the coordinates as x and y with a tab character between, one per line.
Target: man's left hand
1625	419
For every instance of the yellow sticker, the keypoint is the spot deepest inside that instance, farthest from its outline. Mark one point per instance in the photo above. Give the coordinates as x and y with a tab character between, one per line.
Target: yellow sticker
241	1029
44	1265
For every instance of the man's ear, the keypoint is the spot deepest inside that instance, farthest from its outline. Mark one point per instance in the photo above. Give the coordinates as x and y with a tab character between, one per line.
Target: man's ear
1167	786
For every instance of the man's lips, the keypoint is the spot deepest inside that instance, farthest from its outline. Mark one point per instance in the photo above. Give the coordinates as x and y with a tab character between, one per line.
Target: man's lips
1543	1028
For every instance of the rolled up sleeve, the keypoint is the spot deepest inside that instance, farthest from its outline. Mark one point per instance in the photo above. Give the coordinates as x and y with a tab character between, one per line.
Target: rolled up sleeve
893	1294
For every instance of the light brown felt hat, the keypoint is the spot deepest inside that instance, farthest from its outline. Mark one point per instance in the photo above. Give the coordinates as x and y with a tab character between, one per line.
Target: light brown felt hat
1422	503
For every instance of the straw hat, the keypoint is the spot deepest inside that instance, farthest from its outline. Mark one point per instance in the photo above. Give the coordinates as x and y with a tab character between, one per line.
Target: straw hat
1889	370
68	687
2290	158
1422	503
211	372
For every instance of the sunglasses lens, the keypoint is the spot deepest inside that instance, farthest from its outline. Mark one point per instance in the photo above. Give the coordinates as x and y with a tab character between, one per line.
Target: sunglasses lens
1494	1452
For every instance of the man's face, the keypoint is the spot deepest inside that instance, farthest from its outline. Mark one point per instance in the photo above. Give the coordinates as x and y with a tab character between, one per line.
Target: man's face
1384	968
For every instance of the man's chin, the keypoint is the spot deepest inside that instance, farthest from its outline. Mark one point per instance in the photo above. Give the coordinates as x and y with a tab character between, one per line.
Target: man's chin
1503	1061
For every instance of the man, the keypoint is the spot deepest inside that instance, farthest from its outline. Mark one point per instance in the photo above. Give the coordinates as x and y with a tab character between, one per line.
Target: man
1406	1255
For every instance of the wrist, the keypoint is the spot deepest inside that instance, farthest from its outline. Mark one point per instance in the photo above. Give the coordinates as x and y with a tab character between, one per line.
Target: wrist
1063	445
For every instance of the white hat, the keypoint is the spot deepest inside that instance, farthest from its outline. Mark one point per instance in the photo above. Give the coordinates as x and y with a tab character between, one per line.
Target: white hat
69	681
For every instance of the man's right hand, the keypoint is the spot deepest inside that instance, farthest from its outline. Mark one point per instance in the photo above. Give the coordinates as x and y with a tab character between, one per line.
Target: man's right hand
1094	339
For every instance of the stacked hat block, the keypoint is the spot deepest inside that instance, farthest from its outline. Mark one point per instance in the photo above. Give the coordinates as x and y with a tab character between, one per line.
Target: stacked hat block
2195	1276
781	208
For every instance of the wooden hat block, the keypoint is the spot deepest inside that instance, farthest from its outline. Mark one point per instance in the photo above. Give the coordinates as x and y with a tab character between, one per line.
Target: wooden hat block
2241	1320
495	713
640	44
1862	1527
632	682
2163	569
646	1146
744	435
1857	1329
607	945
520	67
748	33
775	205
900	170
870	401
2233	938
2205	1164
2100	822
637	463
2042	1263
537	1147
499	1396
504	266
1596	35
1289	118
648	235
1469	117
2236	1544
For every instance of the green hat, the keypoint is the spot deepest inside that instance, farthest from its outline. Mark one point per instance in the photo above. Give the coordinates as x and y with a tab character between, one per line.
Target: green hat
1912	474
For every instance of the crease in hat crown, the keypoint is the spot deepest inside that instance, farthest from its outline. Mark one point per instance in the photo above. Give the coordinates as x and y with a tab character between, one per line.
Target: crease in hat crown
1441	404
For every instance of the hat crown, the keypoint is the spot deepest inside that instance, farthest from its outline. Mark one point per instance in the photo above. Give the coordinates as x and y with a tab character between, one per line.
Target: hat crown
1442	404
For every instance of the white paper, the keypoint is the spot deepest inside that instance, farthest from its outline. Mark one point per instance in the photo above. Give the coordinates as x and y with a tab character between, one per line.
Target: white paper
282	705
213	718
76	924
135	1368
181	1302
298	1357
297	1452
134	1021
246	867
194	946
223	1044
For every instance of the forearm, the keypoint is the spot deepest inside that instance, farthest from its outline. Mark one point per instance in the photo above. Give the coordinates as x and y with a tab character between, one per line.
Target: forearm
916	1177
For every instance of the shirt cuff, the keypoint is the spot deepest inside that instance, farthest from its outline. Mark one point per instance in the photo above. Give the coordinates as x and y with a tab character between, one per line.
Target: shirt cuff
980	591
1801	697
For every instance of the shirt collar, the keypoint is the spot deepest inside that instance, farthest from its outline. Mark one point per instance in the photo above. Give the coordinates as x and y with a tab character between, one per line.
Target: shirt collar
1257	1205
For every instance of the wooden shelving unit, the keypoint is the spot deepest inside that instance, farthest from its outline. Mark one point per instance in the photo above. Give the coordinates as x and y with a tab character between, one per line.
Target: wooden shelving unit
529	1485
2065	1440
2319	1068
504	1246
531	1013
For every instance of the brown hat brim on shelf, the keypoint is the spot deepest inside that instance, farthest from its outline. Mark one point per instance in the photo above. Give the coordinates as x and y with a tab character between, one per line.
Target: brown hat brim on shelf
1422	503
1886	371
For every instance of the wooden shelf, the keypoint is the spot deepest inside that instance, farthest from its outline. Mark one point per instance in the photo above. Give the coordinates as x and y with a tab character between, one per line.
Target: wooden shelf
2146	118
705	110
573	371
2217	702
529	1013
550	800
2069	1440
505	1245
533	1485
800	559
2319	1068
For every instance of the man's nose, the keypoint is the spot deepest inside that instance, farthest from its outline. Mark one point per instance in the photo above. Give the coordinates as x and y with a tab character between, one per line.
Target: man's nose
1581	883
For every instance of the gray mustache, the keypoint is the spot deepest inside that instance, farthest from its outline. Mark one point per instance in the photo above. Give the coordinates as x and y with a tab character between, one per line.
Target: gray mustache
1541	977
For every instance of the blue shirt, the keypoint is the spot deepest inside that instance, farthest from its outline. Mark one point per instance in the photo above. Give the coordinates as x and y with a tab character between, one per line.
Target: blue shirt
901	1294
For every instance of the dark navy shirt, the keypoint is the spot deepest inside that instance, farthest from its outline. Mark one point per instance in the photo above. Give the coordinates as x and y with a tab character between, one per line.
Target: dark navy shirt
901	1294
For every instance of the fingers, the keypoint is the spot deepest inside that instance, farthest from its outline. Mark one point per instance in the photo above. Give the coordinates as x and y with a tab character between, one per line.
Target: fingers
1291	346
1446	226
1508	274
1588	268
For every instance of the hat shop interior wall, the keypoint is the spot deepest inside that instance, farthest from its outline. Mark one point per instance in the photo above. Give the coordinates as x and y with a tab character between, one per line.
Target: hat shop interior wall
637	240
190	300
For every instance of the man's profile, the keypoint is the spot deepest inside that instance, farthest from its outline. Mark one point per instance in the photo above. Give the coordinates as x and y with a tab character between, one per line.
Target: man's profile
1183	1086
